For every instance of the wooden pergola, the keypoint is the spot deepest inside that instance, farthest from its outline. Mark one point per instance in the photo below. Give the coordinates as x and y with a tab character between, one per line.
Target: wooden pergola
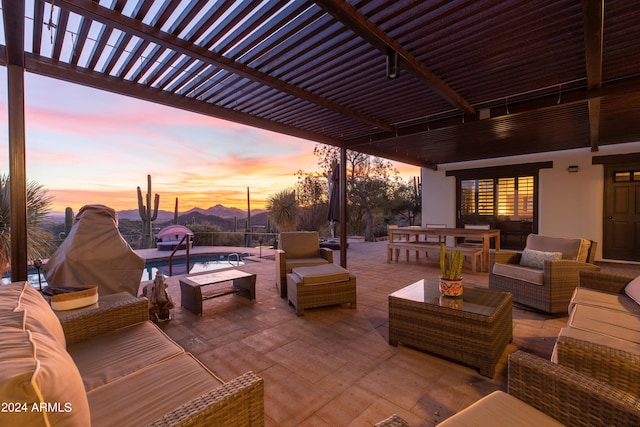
420	82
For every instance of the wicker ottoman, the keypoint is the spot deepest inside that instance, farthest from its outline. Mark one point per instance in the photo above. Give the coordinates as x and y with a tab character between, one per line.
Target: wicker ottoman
319	286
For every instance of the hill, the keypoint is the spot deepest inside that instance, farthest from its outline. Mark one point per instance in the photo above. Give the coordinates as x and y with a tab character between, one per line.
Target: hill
221	216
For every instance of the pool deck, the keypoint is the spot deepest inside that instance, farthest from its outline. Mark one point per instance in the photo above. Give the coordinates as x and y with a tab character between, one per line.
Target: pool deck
334	366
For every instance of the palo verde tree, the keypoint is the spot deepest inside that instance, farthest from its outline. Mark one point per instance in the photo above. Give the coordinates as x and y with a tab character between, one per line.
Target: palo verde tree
407	200
38	206
312	195
370	184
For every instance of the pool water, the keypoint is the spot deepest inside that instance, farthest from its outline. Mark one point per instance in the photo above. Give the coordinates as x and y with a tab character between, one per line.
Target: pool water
197	264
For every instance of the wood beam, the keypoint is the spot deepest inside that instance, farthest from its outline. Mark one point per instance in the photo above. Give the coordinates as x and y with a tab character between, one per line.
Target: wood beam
73	74
358	23
13	12
593	23
114	19
629	86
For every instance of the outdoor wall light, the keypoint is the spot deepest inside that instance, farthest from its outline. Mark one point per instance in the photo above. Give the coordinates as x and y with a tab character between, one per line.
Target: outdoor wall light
573	168
392	64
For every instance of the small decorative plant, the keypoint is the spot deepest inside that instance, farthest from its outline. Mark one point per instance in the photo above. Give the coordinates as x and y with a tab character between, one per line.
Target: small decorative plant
450	267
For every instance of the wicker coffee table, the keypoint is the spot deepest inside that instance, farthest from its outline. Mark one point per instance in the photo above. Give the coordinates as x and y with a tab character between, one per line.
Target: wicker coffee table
473	329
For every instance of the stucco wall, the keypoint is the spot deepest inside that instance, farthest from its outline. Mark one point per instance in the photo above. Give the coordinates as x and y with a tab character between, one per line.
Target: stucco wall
570	204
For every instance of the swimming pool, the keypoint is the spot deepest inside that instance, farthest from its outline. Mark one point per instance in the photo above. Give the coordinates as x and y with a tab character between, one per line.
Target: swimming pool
197	264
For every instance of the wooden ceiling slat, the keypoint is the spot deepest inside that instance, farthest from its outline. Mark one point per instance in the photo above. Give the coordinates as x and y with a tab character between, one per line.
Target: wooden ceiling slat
80	40
38	18
98	47
61	31
116	53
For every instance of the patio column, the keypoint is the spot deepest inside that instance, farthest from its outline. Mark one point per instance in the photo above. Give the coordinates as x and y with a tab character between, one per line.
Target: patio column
343	207
14	12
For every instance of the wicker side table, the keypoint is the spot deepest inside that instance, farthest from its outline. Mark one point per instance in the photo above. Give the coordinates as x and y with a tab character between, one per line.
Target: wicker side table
473	330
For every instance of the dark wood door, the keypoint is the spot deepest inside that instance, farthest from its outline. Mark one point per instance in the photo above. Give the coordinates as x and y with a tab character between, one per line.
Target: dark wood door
622	213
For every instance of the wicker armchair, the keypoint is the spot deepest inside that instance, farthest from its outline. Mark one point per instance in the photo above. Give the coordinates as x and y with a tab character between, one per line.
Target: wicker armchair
298	249
557	280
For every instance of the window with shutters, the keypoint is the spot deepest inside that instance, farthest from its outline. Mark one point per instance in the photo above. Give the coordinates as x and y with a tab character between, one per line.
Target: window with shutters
503	197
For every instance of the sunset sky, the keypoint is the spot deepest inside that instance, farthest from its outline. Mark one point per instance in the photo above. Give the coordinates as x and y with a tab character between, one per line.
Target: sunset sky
88	146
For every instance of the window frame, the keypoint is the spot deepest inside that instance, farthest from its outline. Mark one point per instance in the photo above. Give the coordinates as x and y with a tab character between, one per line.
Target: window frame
496	173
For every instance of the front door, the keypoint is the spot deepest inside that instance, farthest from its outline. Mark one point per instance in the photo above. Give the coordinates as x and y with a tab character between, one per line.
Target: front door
622	212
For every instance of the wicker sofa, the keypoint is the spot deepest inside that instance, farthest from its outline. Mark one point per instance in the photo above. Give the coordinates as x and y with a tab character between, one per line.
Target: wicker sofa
298	249
602	336
545	274
108	365
542	393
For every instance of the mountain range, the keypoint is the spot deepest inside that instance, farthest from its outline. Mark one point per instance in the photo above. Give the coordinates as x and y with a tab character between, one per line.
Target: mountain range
216	211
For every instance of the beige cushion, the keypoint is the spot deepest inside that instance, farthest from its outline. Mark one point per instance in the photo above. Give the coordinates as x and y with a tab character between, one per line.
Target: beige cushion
535	259
21	296
304	262
633	289
130	349
144	396
596	338
617	324
610	300
500	409
300	244
71	300
36	370
321	274
516	271
570	248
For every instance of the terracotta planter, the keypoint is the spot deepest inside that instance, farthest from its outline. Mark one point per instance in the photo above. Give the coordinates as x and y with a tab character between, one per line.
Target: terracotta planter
451	288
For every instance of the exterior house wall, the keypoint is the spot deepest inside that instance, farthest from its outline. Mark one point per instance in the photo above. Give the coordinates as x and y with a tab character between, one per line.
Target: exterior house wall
569	204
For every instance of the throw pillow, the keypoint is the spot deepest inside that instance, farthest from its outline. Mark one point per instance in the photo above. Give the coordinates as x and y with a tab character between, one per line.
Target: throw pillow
535	259
633	289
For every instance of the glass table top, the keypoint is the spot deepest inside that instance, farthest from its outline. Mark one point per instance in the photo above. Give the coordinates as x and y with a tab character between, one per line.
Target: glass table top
473	300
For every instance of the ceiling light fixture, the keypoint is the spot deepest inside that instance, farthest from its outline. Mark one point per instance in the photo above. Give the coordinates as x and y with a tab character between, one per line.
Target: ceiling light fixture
392	64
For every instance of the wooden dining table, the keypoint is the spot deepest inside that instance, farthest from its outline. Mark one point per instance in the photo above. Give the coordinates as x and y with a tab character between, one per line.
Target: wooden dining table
418	234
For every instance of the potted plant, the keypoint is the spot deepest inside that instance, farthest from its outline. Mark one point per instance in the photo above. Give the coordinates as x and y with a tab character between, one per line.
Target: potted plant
450	272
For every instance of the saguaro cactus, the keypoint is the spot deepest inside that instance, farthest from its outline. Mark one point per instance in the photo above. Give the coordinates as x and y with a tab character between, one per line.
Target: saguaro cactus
147	214
175	213
68	221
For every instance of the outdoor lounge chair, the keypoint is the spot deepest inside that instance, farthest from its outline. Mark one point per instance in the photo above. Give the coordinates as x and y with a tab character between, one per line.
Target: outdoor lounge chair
298	249
545	274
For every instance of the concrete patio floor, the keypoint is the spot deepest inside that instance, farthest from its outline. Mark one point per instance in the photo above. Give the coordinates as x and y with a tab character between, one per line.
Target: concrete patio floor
334	366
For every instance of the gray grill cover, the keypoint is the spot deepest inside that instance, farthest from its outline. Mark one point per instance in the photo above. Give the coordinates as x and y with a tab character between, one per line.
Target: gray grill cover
95	253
